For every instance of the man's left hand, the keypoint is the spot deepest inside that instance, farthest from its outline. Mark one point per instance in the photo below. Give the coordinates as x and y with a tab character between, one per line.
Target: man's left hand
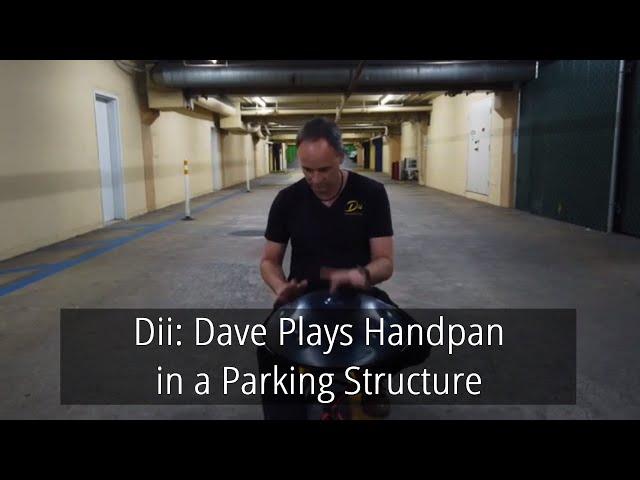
339	277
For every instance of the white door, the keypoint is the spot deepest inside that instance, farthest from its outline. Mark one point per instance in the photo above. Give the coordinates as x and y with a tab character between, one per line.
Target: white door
478	159
216	159
111	178
104	155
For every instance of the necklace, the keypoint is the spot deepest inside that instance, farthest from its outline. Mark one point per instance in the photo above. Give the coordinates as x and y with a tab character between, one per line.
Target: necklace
339	190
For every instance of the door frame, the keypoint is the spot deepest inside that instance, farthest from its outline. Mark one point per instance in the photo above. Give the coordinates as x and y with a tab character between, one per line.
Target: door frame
491	100
115	144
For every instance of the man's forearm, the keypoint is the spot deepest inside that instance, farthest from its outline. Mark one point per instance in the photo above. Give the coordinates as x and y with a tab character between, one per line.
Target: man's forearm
273	275
380	270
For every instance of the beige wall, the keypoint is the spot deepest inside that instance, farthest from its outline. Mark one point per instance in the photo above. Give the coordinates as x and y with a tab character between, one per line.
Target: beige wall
421	130
445	154
408	140
394	150
505	118
386	155
50	187
261	158
237	149
50	175
446	151
250	154
176	138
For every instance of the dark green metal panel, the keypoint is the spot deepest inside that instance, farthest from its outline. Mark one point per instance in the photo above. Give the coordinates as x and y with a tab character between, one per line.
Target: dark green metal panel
292	156
348	148
567	119
627	218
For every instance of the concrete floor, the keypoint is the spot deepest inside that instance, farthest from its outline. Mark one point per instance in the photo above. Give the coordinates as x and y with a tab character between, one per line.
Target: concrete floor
450	252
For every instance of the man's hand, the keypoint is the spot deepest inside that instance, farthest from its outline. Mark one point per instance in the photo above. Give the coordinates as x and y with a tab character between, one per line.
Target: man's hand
290	291
339	277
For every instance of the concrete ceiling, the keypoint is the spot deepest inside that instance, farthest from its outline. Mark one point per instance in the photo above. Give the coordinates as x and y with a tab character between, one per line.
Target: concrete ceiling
351	106
308	102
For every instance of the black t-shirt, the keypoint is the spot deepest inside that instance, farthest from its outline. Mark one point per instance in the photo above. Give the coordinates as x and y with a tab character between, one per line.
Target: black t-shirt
336	236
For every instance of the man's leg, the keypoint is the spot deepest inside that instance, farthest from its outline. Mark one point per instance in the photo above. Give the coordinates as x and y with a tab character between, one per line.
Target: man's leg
378	406
278	406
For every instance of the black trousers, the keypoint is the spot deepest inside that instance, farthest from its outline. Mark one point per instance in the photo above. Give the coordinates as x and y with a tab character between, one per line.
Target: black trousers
295	406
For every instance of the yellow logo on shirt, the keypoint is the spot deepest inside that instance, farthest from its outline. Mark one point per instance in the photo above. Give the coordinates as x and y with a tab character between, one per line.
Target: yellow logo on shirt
354	207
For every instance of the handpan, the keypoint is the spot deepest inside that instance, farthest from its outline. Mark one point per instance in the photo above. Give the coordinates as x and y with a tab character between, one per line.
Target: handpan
350	317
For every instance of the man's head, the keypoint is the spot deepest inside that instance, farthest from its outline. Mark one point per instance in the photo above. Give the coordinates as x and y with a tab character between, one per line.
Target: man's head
320	152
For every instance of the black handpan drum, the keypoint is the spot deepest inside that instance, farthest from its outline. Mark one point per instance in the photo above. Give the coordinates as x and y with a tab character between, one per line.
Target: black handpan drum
319	315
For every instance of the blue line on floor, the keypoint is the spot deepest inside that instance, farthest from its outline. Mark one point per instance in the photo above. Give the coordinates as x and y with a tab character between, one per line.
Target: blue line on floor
71	246
22	269
131	226
48	270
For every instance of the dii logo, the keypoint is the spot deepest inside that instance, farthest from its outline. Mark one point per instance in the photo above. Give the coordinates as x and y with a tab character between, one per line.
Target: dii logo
353	207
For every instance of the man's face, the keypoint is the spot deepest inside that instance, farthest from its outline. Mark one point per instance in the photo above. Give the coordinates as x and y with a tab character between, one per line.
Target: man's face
321	166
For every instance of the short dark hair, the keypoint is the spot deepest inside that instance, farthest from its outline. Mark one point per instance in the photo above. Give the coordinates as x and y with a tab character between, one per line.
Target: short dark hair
321	128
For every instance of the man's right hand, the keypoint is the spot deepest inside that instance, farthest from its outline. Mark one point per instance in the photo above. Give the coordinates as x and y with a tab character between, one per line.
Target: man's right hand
290	291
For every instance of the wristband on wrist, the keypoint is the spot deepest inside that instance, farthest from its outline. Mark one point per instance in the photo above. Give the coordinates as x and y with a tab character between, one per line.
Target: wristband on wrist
367	275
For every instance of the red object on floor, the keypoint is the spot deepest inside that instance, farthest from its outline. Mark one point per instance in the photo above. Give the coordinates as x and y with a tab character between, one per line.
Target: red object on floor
395	170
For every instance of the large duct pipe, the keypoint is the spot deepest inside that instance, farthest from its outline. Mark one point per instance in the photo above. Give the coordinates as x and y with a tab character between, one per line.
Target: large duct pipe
261	79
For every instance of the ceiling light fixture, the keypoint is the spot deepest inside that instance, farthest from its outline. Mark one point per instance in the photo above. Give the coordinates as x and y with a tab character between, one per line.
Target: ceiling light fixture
386	99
